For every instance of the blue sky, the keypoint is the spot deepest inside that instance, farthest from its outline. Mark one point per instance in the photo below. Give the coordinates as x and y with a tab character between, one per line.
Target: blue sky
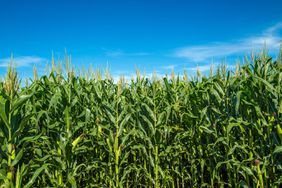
152	35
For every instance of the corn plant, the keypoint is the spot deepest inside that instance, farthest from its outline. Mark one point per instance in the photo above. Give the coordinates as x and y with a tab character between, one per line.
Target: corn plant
220	130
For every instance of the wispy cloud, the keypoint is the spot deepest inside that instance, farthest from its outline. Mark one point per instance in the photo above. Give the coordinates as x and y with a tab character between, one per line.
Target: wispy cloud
274	29
271	37
205	68
169	67
119	53
128	76
22	61
202	68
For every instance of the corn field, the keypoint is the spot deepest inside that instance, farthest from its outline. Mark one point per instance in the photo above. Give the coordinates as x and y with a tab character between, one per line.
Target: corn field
221	130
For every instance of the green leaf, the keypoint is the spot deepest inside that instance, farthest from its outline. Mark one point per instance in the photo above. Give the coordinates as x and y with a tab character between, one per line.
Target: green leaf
110	113
266	83
231	125
3	112
55	99
150	124
3	154
18	178
67	118
19	102
280	107
150	111
205	129
18	157
219	88
244	184
278	149
248	171
23	123
29	139
215	93
71	180
87	115
35	175
238	97
2	175
122	124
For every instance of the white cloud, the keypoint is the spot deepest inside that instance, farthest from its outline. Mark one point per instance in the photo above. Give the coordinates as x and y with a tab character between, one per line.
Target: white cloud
201	68
169	67
22	61
119	53
131	75
205	68
200	53
274	29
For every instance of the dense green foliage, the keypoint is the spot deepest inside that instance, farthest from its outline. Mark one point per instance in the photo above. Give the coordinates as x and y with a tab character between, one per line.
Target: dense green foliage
218	131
